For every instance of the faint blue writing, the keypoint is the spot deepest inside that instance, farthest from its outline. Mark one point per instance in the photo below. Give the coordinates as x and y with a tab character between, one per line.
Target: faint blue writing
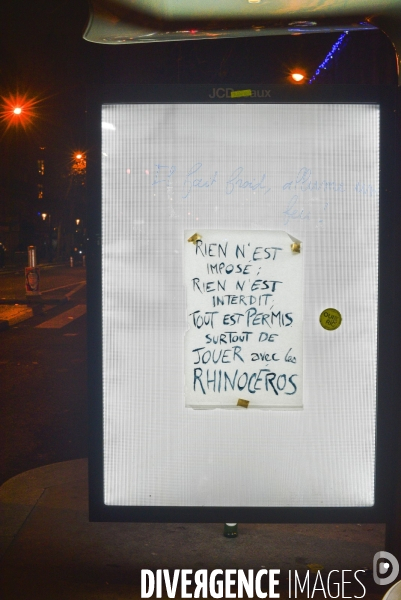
237	180
191	182
304	182
293	212
365	189
163	174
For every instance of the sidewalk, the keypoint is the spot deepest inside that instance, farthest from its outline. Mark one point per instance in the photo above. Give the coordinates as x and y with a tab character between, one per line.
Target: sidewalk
15	311
11	315
52	552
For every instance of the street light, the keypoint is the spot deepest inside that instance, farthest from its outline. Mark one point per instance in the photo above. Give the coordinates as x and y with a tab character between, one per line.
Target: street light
79	163
18	110
297	76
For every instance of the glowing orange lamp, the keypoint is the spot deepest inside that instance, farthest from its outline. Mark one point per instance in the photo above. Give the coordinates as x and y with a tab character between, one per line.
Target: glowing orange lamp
297	76
18	110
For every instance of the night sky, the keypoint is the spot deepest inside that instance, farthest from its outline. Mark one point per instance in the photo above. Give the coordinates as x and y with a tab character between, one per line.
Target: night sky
44	57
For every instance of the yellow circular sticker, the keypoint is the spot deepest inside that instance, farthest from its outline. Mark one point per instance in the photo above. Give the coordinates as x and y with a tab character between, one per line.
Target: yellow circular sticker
330	319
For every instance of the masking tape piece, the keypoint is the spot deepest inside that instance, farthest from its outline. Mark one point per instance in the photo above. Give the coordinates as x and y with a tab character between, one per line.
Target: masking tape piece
243	403
194	238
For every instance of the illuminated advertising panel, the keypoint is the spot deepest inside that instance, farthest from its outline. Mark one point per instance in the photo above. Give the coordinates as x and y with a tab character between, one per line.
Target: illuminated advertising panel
239	266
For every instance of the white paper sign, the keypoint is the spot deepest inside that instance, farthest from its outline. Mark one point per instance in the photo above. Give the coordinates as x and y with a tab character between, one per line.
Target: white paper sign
244	311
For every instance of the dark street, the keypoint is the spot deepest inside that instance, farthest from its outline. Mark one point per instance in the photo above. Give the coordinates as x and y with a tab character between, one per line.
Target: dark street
43	377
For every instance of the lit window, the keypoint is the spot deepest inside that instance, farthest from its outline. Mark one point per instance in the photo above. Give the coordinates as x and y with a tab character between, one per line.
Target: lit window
41	167
40	190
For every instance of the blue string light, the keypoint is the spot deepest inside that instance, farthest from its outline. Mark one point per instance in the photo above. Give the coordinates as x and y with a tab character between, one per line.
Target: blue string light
336	47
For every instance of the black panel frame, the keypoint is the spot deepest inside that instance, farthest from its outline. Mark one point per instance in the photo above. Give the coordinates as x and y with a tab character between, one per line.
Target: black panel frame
389	325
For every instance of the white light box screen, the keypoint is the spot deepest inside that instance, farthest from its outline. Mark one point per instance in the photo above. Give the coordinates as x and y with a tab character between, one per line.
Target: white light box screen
300	176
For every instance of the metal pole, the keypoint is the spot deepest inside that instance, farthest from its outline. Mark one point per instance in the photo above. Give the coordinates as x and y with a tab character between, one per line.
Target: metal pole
32	256
32	275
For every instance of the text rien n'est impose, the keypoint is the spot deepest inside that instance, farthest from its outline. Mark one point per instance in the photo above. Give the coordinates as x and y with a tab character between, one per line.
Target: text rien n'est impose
258	291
